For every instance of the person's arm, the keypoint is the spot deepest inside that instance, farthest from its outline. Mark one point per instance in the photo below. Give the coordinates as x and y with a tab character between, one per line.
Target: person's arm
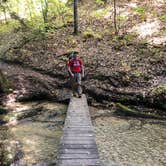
70	69
82	69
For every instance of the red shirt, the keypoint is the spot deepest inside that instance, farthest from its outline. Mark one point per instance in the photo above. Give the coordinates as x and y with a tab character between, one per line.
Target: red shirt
75	65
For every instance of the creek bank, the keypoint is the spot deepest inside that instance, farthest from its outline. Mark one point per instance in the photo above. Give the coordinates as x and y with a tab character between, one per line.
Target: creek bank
134	74
127	141
38	124
29	85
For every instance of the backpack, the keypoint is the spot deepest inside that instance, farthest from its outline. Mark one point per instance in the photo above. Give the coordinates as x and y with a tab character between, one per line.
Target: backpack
75	61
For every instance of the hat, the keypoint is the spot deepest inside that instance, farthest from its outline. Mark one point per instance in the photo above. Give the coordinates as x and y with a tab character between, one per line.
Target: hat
75	52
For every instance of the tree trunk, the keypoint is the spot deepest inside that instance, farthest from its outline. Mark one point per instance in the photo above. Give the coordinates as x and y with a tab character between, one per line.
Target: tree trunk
18	18
44	6
115	18
6	21
75	17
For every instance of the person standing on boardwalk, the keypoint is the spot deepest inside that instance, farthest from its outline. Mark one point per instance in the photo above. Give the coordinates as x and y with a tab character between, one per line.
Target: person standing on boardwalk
76	71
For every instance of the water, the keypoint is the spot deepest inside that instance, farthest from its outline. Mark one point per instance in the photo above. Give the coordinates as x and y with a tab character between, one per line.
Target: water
35	137
130	141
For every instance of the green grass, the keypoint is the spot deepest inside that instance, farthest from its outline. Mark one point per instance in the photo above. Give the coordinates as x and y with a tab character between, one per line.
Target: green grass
3	110
99	2
139	10
136	113
8	27
89	33
162	16
100	13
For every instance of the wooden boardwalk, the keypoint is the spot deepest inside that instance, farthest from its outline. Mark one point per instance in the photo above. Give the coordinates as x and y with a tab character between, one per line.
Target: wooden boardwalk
78	146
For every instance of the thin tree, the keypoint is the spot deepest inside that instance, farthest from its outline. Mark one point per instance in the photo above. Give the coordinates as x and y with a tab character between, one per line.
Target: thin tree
5	13
3	9
76	17
115	18
44	5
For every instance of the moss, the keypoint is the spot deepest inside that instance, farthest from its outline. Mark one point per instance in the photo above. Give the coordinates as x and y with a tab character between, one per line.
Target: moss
123	40
3	110
101	13
162	16
164	106
132	112
5	85
89	33
99	77
160	90
159	94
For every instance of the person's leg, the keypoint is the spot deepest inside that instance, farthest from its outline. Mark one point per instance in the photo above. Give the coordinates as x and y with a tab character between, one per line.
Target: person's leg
79	87
74	84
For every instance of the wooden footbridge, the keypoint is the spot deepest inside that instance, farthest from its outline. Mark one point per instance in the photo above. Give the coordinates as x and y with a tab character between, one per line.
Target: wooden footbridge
78	146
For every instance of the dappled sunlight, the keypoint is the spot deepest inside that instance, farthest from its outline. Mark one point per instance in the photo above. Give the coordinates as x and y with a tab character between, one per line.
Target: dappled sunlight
132	5
158	2
64	1
15	106
39	142
102	13
146	29
158	40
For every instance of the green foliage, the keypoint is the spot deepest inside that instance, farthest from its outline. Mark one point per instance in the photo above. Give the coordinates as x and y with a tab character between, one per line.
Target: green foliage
10	26
162	16
4	84
125	110
89	33
123	40
100	13
139	10
59	11
37	13
121	21
3	110
121	18
160	90
100	2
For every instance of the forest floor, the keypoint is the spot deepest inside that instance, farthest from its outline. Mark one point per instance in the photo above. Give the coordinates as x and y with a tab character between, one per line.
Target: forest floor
128	69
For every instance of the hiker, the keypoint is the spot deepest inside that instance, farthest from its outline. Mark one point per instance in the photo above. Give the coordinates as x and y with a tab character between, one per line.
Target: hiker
76	71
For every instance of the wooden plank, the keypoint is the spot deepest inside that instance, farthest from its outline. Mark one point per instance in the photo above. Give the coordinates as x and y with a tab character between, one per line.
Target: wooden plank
80	142
78	125
78	132
78	146
78	135
78	128
77	138
78	156
78	151
79	162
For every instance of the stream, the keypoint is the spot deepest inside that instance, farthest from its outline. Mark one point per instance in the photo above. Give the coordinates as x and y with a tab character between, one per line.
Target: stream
32	135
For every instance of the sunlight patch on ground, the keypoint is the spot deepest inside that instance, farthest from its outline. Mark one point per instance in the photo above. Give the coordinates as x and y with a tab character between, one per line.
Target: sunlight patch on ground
159	2
146	29
158	40
133	5
102	13
108	15
64	1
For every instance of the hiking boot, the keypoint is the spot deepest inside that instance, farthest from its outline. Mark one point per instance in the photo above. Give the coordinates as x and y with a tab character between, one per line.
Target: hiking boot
80	95
75	94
